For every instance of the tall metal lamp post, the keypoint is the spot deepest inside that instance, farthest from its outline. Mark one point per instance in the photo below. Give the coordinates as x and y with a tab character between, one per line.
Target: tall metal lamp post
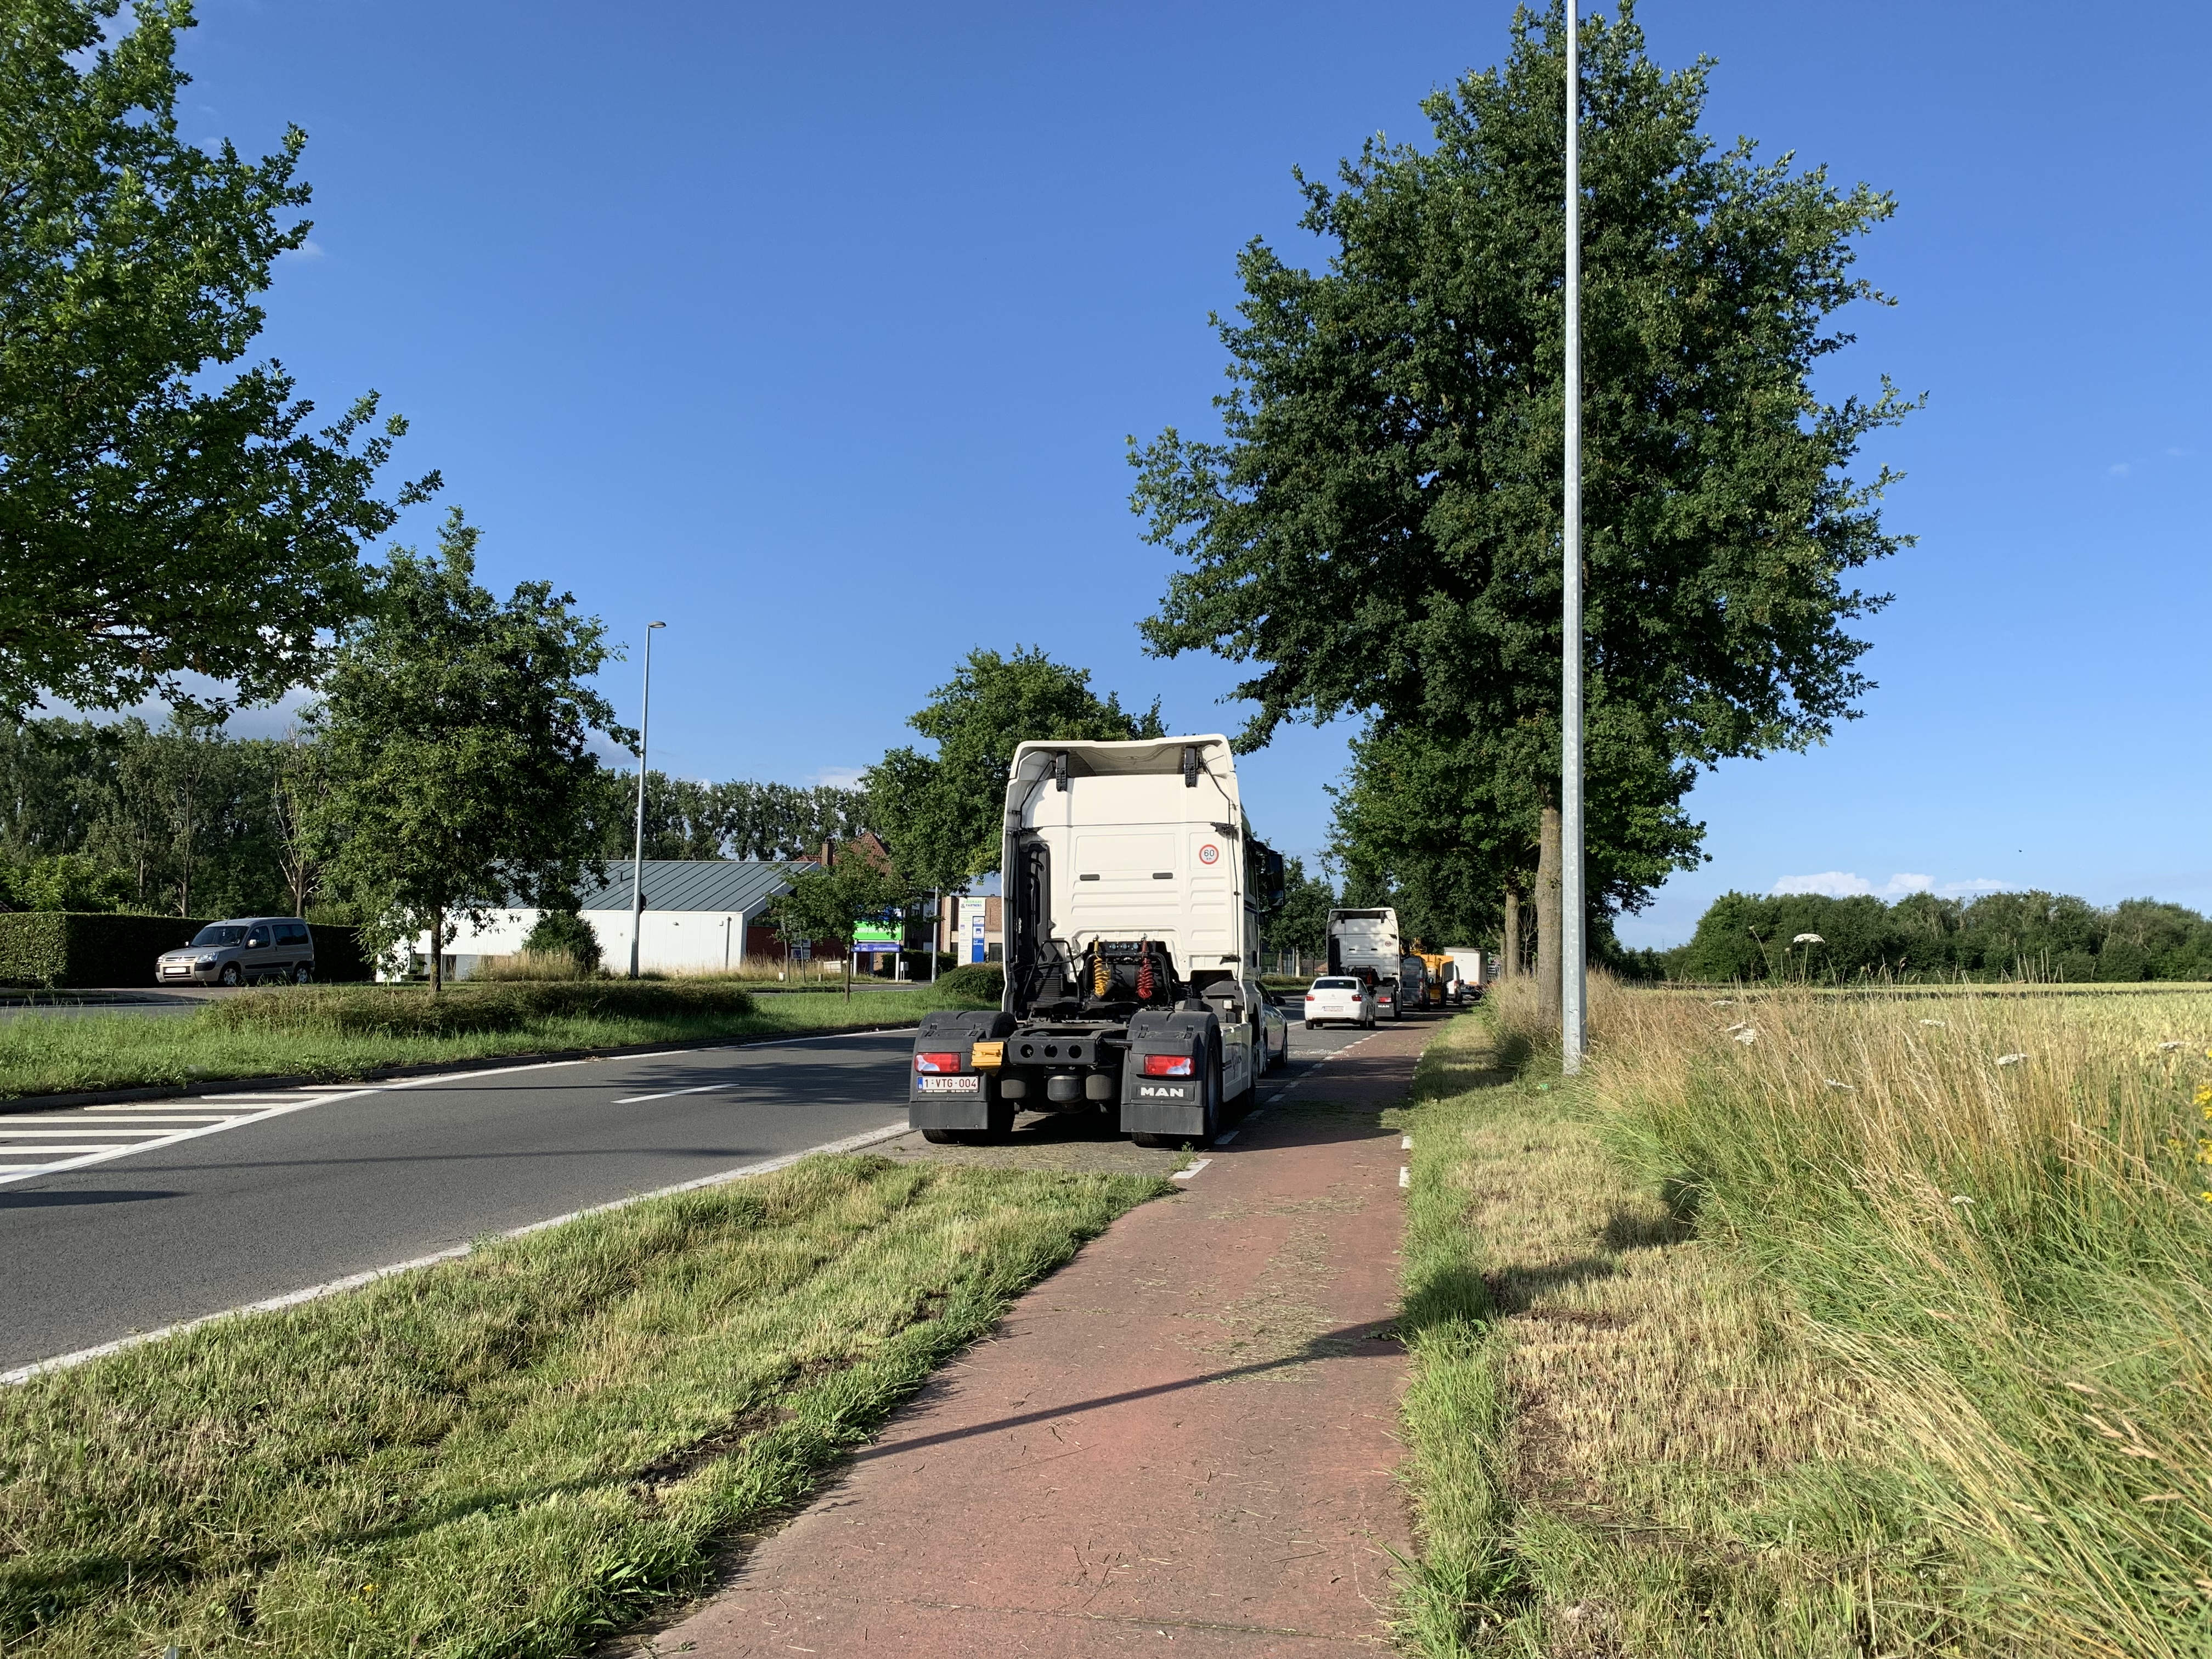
1573	979
637	846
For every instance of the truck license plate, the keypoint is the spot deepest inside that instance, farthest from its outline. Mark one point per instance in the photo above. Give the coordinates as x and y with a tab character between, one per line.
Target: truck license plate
948	1085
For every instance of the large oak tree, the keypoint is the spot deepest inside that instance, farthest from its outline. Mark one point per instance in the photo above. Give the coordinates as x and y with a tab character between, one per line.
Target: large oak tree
1379	529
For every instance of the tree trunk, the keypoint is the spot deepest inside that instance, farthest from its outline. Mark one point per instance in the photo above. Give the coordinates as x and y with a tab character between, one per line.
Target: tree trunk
1512	969
848	972
438	950
1548	917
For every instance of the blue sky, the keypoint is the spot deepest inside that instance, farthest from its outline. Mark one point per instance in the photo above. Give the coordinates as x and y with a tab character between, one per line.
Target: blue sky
818	332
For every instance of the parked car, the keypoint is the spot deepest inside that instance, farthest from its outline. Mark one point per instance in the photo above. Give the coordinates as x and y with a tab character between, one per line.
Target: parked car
1341	1000
246	950
1274	1035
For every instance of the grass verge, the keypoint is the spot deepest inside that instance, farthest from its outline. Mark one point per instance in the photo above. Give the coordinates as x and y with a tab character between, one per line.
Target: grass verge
347	1031
513	1453
1993	1213
1618	1442
1801	1325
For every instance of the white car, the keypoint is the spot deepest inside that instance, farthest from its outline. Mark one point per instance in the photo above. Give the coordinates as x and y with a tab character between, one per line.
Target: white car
1275	1035
1340	1000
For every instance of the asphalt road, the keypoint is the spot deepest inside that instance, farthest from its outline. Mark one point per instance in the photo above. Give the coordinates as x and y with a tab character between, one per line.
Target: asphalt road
279	1192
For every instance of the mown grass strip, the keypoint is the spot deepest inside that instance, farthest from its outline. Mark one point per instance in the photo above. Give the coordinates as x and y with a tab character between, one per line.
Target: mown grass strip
516	1452
1617	1442
331	1033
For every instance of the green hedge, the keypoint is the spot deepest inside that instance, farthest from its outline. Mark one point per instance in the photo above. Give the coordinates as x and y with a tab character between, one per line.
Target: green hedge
495	1005
74	949
979	981
339	959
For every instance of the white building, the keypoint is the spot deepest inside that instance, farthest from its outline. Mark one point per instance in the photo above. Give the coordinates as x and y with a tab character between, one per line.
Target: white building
698	913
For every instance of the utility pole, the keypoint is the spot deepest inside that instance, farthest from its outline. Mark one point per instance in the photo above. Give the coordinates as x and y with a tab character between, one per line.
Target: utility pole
1573	979
637	846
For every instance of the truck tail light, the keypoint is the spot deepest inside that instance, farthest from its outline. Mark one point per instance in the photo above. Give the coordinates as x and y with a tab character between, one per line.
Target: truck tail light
1167	1065
937	1062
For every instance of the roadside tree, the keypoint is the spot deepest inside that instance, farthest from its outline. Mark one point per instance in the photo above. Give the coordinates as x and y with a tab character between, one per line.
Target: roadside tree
454	727
829	905
1380	530
159	516
942	813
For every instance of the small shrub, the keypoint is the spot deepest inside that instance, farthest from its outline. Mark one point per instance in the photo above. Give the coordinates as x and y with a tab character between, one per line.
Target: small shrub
564	933
979	981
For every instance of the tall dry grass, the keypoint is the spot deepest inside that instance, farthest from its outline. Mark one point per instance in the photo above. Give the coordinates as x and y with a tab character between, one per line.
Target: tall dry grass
1995	1212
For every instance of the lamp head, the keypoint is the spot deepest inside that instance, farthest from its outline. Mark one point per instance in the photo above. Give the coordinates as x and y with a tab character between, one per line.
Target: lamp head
656	624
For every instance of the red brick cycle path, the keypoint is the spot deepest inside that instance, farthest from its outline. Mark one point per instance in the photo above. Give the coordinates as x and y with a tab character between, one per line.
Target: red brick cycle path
1185	1437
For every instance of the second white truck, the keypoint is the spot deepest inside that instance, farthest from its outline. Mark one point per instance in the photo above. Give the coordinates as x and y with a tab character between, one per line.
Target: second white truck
1132	888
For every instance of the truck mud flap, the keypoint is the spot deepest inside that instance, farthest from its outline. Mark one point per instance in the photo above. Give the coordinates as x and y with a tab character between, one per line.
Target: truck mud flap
1168	1105
955	1109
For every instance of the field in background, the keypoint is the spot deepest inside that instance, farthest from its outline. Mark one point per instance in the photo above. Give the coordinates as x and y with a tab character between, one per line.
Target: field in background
1806	1325
333	1032
516	1452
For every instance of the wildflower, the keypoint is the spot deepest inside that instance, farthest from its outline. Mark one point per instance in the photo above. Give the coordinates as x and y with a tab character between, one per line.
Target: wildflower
1960	1199
1746	1034
1808	939
1934	1022
2010	1059
2204	1099
1833	1084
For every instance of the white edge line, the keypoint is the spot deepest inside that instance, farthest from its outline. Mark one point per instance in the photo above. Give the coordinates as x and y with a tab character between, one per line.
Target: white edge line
243	1119
703	1089
1223	1140
1185	1175
356	1281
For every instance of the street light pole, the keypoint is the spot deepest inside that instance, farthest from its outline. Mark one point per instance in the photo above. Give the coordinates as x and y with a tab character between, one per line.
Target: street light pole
1573	980
637	846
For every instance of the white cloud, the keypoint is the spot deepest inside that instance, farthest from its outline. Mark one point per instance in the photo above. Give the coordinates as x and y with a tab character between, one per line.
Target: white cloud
310	249
1845	884
2117	470
838	777
1842	884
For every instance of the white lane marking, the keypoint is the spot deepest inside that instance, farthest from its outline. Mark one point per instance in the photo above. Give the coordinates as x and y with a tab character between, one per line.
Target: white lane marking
671	1094
1185	1175
286	1103
1405	1177
61	1152
25	1134
104	1122
1223	1140
354	1281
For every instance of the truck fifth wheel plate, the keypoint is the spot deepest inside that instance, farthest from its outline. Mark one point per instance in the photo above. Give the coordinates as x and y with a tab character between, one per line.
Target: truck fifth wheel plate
948	1085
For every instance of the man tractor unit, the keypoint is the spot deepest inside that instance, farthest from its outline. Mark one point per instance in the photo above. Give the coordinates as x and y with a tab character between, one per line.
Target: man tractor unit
1366	943
1132	889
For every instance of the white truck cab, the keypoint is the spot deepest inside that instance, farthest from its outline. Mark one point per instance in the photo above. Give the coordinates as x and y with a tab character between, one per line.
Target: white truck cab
1132	888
